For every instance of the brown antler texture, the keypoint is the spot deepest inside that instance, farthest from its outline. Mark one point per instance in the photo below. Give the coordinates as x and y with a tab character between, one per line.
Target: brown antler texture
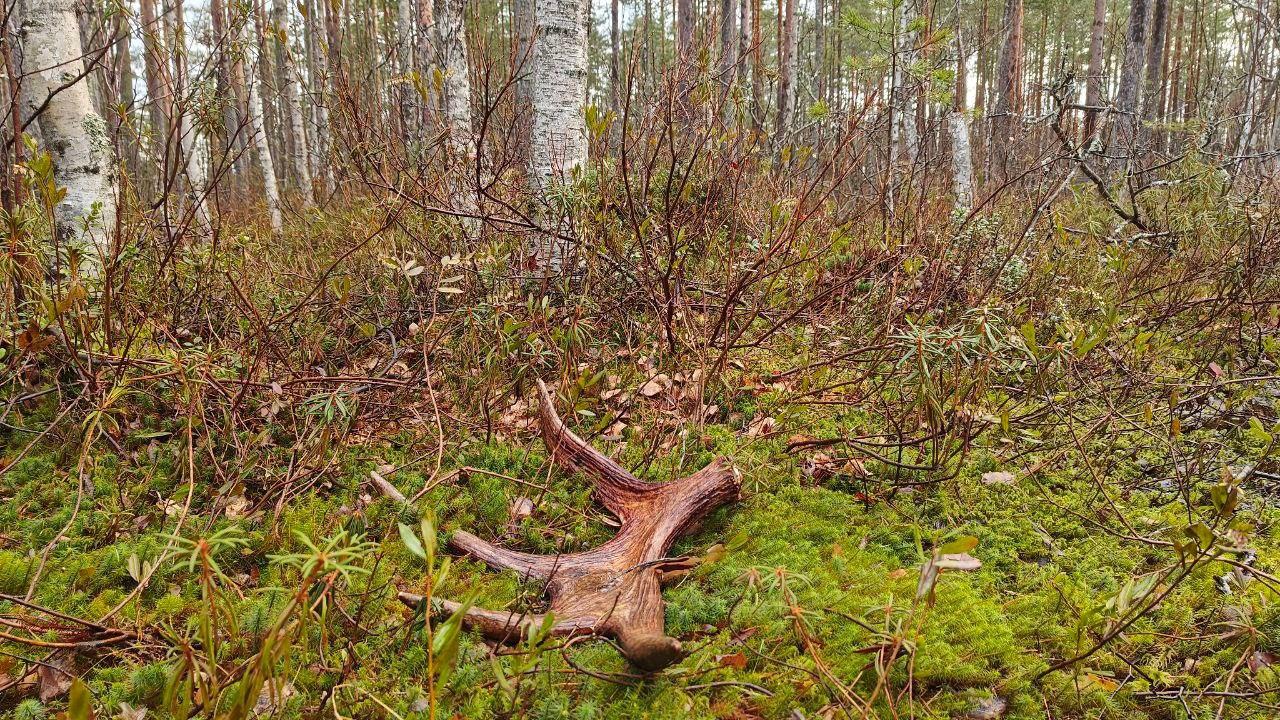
615	589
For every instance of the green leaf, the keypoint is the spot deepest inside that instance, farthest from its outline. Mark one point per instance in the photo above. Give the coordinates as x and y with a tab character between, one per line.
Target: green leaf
1257	432
411	541
960	545
1201	534
444	642
80	702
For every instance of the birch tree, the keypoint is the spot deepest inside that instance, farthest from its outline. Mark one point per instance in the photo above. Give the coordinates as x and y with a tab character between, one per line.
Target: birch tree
296	126
257	127
455	96
55	93
559	87
958	127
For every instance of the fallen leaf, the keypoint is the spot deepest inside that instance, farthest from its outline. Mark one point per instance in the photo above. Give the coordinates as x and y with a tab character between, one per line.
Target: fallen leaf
762	425
53	676
521	508
991	708
655	385
737	661
1261	659
998	477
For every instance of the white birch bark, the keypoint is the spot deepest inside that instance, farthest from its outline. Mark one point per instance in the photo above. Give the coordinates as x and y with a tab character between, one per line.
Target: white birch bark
293	107
73	133
451	44
961	160
317	58
903	129
958	127
188	136
257	128
559	79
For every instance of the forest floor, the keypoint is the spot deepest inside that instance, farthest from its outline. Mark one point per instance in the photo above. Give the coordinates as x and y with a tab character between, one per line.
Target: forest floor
1097	432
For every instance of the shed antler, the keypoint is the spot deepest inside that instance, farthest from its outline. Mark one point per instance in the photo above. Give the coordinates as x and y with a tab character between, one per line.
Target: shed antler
615	589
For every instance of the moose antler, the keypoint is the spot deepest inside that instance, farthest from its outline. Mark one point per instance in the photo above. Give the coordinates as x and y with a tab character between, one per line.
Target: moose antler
615	589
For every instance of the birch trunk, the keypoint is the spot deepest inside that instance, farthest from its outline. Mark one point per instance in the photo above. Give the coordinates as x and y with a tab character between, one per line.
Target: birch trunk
296	127
72	132
188	136
257	128
905	138
318	78
455	99
559	78
958	127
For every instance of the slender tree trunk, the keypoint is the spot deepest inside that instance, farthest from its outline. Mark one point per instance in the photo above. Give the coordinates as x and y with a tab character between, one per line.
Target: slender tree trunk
904	138
123	64
295	129
1253	81
559	142
406	22
787	70
1093	85
451	44
684	31
156	79
524	61
1155	56
74	134
1126	125
318	77
258	129
188	135
757	66
958	125
728	54
1008	101
615	61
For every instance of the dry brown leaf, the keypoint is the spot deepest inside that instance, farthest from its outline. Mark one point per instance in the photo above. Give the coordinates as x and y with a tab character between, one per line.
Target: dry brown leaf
762	425
655	385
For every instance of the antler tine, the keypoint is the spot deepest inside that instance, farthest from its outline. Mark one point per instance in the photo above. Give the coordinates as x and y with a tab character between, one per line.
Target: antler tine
526	564
502	626
614	485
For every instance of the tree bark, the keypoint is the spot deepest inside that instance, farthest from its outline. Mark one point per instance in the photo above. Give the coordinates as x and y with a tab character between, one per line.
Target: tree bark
1155	57
1126	124
786	70
559	138
728	56
318	77
1008	101
257	128
903	136
55	93
451	44
1093	84
958	126
296	126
